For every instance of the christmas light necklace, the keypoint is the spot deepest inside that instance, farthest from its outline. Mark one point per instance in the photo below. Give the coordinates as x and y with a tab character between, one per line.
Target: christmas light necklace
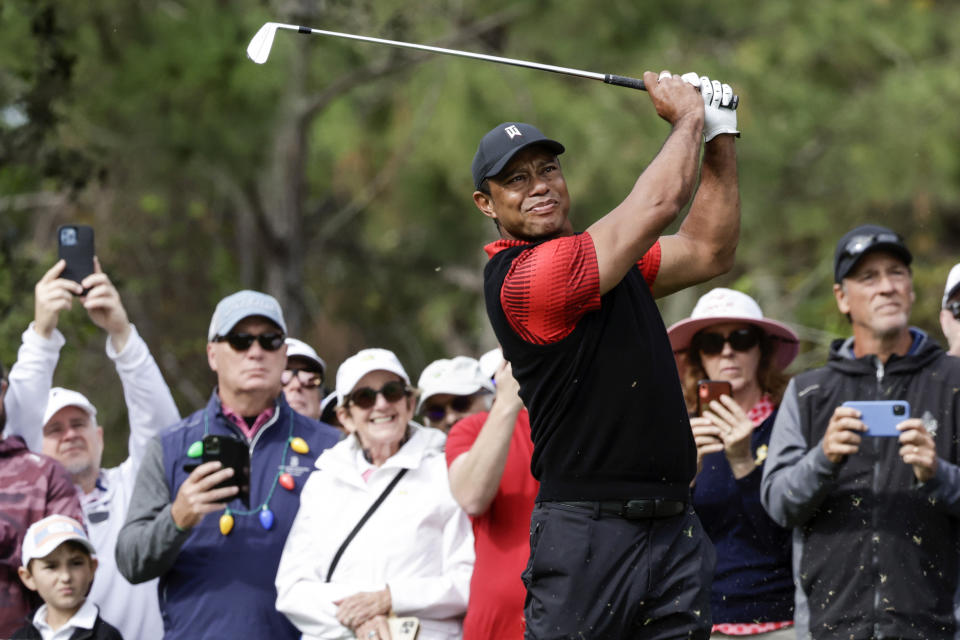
283	478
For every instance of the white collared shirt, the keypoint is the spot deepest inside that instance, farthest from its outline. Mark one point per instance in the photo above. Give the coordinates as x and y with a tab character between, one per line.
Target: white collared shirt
84	618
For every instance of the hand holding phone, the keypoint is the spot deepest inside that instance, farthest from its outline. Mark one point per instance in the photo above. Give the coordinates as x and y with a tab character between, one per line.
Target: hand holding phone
709	390
230	452
75	246
881	416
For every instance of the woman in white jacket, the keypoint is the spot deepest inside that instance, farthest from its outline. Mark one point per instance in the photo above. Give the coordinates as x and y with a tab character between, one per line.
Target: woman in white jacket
413	556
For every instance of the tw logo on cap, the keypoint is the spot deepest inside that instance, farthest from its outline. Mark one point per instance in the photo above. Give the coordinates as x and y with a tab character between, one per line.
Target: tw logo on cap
513	131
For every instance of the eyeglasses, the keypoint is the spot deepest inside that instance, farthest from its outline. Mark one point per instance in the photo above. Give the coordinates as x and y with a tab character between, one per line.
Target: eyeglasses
308	379
712	343
435	412
243	341
366	397
858	244
954	308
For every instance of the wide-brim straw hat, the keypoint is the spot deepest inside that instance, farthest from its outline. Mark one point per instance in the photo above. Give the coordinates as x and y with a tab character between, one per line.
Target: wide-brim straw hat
726	305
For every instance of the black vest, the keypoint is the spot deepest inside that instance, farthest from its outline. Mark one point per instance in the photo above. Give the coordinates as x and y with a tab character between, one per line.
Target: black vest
879	559
607	415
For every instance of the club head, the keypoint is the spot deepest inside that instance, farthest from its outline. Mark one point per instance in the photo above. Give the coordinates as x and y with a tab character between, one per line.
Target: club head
259	48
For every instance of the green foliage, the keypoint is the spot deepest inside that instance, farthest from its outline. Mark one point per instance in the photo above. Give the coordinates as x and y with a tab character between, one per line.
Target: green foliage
336	176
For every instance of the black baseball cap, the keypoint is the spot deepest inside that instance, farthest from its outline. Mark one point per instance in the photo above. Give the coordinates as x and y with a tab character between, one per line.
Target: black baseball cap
860	241
502	143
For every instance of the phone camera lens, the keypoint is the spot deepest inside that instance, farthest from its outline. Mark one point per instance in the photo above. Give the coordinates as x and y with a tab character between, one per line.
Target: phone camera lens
68	237
899	410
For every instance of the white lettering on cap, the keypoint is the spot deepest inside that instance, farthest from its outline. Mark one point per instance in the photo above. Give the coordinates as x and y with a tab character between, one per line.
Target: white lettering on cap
513	131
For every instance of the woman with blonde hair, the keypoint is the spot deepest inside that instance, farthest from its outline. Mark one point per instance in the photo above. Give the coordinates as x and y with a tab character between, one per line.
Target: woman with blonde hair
727	338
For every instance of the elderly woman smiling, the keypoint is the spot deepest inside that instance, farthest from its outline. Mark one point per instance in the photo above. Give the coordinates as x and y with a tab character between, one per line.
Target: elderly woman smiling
413	555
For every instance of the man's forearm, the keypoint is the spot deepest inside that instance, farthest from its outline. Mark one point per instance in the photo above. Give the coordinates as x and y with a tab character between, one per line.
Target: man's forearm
30	380
149	541
475	475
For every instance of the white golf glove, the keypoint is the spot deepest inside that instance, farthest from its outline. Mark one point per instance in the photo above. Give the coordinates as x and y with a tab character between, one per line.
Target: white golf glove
718	118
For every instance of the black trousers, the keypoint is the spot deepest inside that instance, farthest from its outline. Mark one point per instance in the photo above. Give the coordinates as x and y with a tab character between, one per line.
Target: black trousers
593	576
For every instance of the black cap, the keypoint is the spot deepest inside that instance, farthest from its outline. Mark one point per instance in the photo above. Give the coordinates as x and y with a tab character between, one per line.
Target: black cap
860	241
502	143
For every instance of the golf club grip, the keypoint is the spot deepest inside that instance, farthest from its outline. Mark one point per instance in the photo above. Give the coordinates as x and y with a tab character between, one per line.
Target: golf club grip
636	83
624	81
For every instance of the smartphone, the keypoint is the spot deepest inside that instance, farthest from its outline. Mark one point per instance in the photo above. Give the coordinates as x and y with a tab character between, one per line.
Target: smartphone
231	452
881	416
75	245
708	390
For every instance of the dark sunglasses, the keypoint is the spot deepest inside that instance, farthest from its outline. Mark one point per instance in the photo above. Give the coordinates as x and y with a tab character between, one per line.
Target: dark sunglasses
366	397
436	412
307	379
243	341
858	244
954	308
712	343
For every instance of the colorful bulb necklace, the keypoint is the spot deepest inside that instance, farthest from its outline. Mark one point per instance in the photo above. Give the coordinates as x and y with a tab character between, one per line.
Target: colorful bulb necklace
283	478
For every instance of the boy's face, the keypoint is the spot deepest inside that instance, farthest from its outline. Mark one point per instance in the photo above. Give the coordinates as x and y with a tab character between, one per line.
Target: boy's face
62	578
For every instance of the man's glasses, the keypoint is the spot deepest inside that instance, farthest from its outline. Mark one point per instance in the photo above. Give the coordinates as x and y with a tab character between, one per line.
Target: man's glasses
366	397
435	412
712	343
243	341
858	244
954	308
307	379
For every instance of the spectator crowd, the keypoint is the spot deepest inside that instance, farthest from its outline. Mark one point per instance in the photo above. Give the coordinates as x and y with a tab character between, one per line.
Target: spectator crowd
581	480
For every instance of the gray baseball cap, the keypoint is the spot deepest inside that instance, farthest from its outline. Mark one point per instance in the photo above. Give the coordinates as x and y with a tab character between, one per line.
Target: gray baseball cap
244	304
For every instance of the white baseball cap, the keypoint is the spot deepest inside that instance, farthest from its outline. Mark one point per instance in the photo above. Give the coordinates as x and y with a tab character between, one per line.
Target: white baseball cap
60	398
459	376
953	285
490	362
727	305
362	363
44	536
240	305
300	349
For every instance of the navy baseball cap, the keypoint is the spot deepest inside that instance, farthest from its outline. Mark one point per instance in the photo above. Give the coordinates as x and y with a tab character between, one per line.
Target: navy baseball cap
860	241
502	143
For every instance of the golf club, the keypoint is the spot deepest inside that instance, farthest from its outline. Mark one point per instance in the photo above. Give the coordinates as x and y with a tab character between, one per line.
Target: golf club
259	50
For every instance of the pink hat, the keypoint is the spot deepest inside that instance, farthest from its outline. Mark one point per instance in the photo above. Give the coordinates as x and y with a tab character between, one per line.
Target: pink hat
726	305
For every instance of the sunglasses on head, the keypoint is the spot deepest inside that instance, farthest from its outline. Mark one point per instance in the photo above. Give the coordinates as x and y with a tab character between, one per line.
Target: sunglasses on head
270	341
435	412
366	397
954	308
858	244
308	379
712	343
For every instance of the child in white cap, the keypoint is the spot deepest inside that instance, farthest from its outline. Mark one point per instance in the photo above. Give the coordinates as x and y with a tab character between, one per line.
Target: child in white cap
59	563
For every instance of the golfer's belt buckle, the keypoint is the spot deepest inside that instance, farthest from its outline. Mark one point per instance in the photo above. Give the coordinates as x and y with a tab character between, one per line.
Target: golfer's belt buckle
638	509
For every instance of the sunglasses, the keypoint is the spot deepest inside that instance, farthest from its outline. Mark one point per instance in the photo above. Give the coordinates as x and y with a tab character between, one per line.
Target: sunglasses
954	308
307	379
243	341
366	397
436	412
858	244
712	343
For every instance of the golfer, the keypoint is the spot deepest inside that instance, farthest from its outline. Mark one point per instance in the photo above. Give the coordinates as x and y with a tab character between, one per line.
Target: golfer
616	551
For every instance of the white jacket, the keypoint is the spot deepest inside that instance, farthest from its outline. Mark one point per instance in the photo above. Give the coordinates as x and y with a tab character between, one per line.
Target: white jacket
418	542
133	609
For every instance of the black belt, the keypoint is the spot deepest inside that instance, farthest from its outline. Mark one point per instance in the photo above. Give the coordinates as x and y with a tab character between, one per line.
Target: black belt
632	509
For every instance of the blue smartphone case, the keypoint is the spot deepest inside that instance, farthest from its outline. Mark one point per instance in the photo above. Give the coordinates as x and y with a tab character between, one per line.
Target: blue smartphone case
881	416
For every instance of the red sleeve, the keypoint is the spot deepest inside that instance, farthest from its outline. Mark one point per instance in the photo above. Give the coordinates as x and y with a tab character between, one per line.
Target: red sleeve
550	287
649	264
463	434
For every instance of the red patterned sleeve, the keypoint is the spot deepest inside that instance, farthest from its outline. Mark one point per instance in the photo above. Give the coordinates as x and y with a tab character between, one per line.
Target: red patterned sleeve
550	286
649	264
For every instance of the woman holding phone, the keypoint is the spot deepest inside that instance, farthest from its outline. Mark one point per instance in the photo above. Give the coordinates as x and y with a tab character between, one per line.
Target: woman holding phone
726	338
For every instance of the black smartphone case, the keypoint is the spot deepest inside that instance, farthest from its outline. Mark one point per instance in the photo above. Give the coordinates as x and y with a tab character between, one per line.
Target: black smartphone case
231	452
79	255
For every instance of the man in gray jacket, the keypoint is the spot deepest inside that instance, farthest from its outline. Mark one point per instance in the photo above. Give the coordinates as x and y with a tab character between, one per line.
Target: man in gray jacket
875	518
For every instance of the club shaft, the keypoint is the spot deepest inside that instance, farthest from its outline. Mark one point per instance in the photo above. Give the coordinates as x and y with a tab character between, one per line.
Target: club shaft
462	54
